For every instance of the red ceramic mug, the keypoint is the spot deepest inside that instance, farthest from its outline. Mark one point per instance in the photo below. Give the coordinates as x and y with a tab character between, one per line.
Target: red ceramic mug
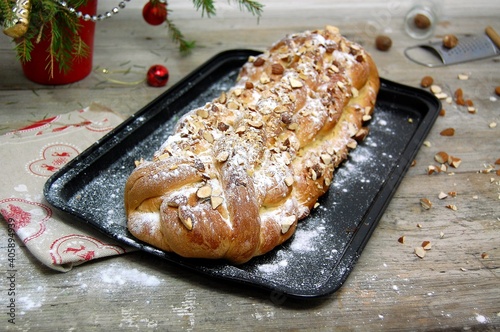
36	69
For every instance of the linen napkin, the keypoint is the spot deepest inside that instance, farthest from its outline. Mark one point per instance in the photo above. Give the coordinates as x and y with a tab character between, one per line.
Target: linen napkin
30	156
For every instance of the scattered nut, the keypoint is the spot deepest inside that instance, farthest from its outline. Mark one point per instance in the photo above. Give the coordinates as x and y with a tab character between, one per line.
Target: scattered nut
452	193
492	125
427	144
450	41
402	239
422	21
441	157
383	43
431	169
454	161
463	77
452	207
497	90
459	97
420	252
435	89
447	132
426	245
425	203
442	112
426	81
485	255
442	195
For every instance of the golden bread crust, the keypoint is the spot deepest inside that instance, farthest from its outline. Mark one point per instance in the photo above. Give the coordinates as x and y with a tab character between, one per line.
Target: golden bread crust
238	173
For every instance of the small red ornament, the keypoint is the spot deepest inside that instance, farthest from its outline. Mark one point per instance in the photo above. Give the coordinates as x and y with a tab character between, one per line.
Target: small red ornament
154	12
157	76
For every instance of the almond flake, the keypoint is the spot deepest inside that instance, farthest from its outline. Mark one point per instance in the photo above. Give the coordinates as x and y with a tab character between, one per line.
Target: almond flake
287	223
463	77
216	201
426	245
208	136
425	203
441	235
431	169
264	79
202	113
420	252
402	239
493	125
452	207
222	98
188	223
326	158
204	191
436	89
295	83
255	123
441	157
454	162
222	156
485	255
441	96
355	92
442	195
427	144
471	110
289	180
240	129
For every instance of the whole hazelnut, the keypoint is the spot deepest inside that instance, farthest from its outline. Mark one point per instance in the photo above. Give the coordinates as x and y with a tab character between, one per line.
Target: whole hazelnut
497	90
450	41
383	43
422	21
426	81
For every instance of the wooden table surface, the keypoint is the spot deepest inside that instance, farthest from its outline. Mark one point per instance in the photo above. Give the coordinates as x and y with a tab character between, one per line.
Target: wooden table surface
455	286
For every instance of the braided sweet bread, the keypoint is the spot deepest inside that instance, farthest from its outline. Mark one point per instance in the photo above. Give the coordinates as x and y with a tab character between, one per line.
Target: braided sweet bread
237	174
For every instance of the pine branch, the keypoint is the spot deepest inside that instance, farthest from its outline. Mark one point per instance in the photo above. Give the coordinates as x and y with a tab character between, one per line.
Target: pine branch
207	6
254	7
185	46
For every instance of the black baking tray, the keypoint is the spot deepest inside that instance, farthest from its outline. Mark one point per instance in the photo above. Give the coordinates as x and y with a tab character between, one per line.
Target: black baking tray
317	260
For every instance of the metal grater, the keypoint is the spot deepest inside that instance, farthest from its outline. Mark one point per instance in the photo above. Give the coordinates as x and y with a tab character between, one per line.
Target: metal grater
469	48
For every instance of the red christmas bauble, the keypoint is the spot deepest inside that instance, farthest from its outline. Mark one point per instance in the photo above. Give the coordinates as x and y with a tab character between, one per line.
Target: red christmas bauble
157	76
154	12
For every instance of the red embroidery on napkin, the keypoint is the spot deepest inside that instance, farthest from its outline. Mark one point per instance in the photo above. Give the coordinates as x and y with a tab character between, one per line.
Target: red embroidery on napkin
53	157
39	125
80	248
28	218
